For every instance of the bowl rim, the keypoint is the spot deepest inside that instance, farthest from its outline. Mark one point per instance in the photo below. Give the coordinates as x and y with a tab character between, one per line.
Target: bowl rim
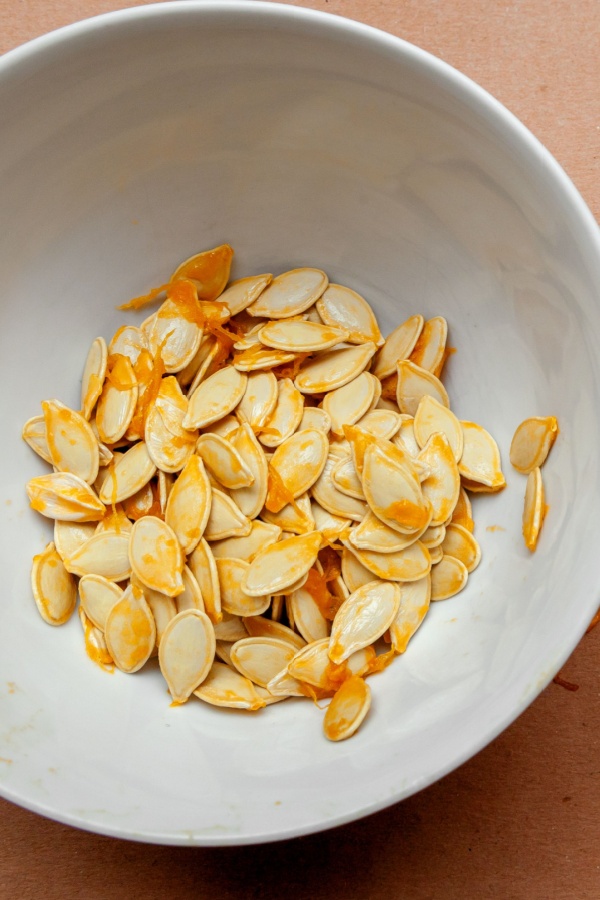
485	106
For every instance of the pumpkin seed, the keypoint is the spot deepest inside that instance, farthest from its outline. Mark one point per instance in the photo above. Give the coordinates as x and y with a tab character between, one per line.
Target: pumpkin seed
430	349
34	434
462	514
330	526
141	503
442	485
415	597
233	599
405	436
342	307
241	293
130	631
208	271
198	369
261	658
169	444
286	416
95	644
433	536
314	417
115	520
69	536
259	626
347	710
231	628
285	685
94	372
259	399
290	294
346	479
225	519
224	461
534	509
106	553
223	652
532	442
177	338
98	595
299	462
460	543
258	357
333	368
381	423
127	341
362	618
191	596
300	336
204	568
62	495
250	499
155	556
392	489
281	565
163	609
54	589
116	404
71	442
225	687
189	503
398	345
436	554
409	564
215	397
262	534
432	416
448	577
480	460
295	518
354	574
348	404
186	653
132	471
307	615
331	499
373	534
165	486
415	383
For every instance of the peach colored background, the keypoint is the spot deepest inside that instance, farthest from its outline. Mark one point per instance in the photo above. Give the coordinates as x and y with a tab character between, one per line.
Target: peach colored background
521	819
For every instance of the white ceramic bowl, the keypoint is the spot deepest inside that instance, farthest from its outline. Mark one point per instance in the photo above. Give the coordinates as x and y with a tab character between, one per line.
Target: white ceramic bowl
135	139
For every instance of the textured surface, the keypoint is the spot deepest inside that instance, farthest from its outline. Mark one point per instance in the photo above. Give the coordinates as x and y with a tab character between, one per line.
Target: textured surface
521	818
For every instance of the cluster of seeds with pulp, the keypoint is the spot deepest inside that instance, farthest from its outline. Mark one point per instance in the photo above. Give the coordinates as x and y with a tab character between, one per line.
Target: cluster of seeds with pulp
259	489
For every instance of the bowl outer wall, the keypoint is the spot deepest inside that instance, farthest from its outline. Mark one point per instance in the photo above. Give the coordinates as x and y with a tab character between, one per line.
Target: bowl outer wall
301	138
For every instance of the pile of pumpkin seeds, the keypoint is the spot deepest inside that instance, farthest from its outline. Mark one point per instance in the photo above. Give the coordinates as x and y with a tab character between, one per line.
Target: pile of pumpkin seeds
258	489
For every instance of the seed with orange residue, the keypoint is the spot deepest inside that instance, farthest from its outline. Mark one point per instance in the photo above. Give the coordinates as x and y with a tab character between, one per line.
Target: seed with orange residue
54	589
532	442
534	509
362	618
347	710
155	556
130	631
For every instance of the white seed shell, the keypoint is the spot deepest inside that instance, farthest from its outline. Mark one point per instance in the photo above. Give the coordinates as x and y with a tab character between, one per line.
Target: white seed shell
54	589
186	652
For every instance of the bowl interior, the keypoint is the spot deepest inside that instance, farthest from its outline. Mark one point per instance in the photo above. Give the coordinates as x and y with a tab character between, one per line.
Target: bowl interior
131	142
